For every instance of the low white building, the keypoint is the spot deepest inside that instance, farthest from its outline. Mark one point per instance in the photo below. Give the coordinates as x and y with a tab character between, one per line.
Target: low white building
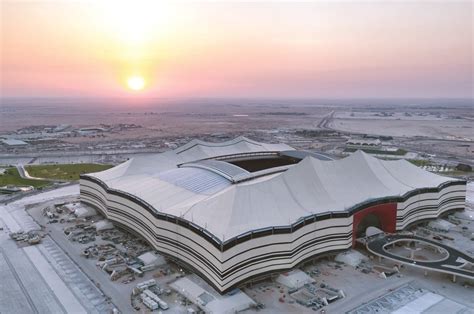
14	142
294	279
150	258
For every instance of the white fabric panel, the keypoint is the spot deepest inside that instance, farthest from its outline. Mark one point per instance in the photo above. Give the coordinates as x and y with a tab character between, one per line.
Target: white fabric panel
310	187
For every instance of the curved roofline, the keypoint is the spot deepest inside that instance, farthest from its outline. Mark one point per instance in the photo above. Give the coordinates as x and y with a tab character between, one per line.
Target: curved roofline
308	189
197	142
254	233
229	171
192	151
233	156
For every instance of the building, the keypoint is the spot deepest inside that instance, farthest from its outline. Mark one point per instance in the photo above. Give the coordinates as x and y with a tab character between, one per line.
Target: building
364	142
14	142
241	209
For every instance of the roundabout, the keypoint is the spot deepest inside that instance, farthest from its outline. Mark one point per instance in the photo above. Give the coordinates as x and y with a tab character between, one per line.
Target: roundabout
417	250
440	257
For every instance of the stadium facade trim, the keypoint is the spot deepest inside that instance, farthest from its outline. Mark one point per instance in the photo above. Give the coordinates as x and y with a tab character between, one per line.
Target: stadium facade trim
303	227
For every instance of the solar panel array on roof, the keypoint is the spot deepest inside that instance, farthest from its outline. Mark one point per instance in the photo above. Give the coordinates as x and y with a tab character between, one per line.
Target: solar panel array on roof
195	180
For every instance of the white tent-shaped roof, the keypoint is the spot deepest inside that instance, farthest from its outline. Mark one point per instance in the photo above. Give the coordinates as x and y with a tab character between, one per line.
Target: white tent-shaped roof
226	210
310	187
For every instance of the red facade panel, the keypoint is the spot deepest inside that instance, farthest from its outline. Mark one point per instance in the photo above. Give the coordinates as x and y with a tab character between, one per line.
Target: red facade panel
386	214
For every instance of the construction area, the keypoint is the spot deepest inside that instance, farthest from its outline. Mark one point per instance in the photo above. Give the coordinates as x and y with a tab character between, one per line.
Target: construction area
62	256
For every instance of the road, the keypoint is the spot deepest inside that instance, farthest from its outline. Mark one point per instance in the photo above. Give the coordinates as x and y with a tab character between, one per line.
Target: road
73	254
449	265
409	143
25	175
324	123
24	291
42	278
22	172
96	275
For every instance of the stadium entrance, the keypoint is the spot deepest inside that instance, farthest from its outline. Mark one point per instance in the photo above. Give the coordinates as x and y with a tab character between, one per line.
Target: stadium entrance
371	220
383	217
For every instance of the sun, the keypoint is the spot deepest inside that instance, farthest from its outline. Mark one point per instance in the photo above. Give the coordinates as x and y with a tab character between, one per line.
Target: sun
136	82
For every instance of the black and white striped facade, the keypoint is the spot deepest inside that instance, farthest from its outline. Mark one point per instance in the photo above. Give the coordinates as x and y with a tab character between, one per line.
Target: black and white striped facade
430	203
228	260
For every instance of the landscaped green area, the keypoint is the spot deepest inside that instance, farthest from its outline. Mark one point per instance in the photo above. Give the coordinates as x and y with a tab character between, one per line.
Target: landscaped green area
68	172
451	173
12	177
420	162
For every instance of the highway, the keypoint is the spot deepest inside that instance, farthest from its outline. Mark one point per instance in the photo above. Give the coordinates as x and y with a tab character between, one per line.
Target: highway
22	171
324	123
449	265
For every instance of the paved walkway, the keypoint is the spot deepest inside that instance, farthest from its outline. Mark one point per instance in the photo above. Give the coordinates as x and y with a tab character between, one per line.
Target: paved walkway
26	289
59	288
42	278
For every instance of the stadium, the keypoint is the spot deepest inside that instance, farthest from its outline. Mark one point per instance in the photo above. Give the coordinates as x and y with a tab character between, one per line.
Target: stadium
239	210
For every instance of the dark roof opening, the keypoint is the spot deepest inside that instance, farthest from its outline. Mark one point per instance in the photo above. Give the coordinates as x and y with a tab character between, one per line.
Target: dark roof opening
264	162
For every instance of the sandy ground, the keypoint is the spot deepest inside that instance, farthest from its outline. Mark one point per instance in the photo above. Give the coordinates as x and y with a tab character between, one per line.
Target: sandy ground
118	292
442	129
360	288
59	283
165	120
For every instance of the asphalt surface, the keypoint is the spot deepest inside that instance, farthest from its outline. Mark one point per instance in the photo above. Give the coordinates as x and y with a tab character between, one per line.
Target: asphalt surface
324	123
447	265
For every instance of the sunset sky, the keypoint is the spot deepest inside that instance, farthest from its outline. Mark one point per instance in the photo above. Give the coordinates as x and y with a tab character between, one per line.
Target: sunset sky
236	49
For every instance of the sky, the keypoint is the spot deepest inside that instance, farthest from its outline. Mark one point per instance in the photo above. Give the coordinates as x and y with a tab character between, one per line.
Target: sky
320	49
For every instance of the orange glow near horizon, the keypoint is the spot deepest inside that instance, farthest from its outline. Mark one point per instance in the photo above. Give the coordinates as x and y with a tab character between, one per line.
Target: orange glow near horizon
134	27
206	49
